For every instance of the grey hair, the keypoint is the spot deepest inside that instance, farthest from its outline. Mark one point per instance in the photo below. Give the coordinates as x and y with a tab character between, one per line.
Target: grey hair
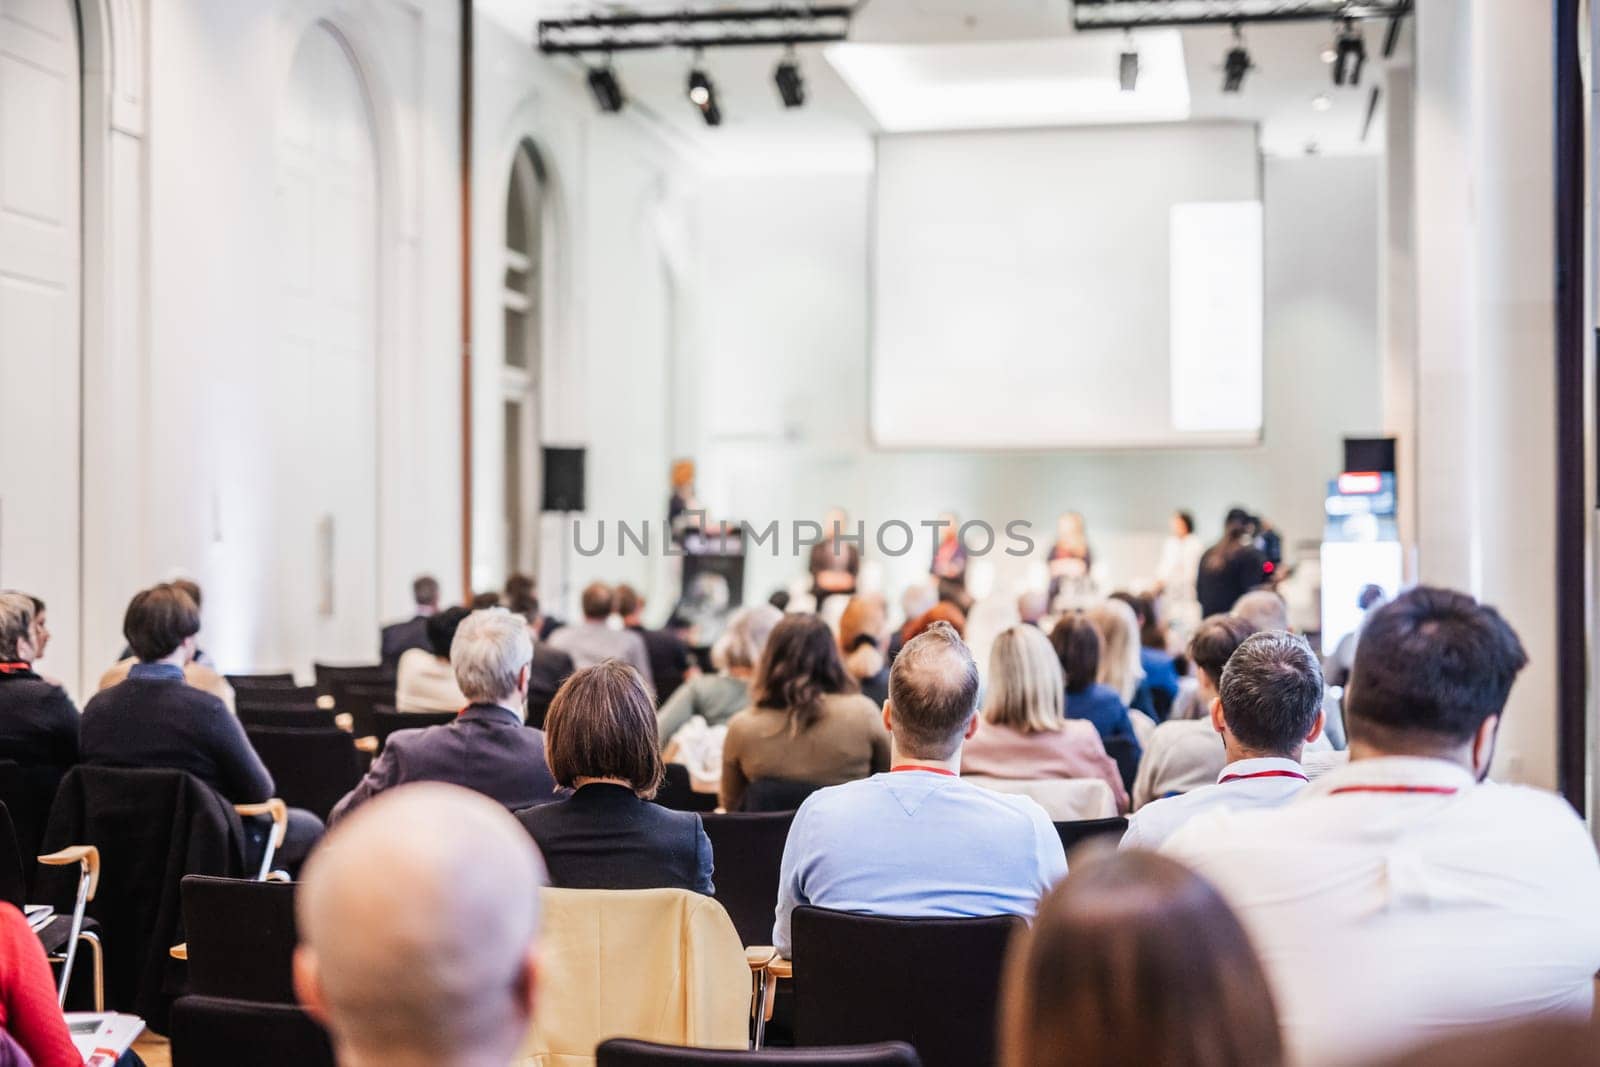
1265	609
16	622
490	649
1271	691
933	692
741	643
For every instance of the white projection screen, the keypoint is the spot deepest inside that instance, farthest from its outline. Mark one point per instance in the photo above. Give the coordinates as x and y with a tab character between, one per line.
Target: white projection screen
1093	287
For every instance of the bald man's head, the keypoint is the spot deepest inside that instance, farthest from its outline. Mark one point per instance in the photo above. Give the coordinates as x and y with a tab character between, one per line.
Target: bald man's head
419	922
933	692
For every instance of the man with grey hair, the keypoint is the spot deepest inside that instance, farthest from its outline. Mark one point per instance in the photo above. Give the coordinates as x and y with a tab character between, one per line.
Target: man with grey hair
916	841
38	722
419	932
487	747
1265	609
1268	708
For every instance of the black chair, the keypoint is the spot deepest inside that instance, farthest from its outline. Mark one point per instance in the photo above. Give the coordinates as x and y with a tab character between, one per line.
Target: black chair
747	849
207	1031
293	717
240	938
776	794
313	768
678	793
283	696
61	934
934	983
1162	700
626	1052
27	793
244	682
387	721
1125	751
1076	832
357	699
331	677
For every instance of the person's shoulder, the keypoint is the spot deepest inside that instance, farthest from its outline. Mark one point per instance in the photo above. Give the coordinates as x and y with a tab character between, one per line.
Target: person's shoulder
852	705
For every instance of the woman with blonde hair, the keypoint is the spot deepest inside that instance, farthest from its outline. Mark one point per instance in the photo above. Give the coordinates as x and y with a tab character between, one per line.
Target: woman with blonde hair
862	630
1134	958
716	698
1120	668
1024	733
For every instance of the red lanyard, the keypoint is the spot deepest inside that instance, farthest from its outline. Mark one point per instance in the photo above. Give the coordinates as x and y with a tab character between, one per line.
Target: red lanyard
17	667
1261	774
930	770
1434	790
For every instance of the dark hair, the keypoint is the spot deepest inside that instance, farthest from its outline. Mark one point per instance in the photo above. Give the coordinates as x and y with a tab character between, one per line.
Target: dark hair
489	598
441	629
933	691
597	600
1187	518
519	586
1152	634
1134	958
524	604
158	620
1271	692
1431	667
602	724
1078	644
425	591
779	599
1215	639
627	600
799	666
190	587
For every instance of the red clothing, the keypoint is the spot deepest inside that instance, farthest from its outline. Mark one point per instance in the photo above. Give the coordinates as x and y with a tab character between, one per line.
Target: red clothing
28	1008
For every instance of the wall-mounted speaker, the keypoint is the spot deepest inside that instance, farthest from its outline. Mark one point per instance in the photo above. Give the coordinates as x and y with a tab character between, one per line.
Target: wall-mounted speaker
563	479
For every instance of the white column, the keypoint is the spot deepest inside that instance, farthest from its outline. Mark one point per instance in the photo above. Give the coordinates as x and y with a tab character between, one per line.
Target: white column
1398	298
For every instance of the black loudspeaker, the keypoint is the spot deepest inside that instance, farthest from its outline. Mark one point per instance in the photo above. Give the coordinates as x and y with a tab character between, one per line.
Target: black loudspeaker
563	479
1369	454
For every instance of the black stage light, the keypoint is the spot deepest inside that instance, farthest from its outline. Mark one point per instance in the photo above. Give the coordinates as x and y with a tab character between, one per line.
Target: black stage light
791	84
607	90
1350	55
1236	64
703	95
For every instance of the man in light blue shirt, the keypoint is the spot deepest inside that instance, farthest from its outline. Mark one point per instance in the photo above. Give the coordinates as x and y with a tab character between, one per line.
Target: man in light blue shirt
917	841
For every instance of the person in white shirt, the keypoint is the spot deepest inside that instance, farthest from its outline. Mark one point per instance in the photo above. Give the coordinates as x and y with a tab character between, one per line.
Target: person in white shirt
1400	898
1269	708
424	680
1176	572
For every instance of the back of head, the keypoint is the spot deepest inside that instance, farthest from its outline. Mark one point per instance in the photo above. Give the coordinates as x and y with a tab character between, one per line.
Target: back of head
799	666
1133	958
1271	692
1120	667
742	643
1078	647
425	591
1215	639
597	601
418	917
864	618
16	624
602	724
441	629
1265	609
518	587
1431	667
158	620
1032	605
627	601
933	692
191	589
1025	682
918	598
489	598
490	650
944	612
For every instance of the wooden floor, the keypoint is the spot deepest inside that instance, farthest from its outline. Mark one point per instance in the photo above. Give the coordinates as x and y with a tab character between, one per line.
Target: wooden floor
153	1050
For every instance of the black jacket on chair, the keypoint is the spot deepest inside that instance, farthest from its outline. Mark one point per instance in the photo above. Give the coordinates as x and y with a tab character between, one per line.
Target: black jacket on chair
486	748
550	668
605	837
38	722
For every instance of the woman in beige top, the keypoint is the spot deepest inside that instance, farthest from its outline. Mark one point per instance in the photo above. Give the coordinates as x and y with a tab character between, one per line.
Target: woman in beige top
807	722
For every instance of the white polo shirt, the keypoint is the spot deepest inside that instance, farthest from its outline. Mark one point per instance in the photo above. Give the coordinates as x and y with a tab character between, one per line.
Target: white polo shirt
1245	784
1395	900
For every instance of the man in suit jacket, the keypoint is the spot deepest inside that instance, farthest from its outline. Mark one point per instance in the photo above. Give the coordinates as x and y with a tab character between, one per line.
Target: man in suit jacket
400	637
38	722
487	748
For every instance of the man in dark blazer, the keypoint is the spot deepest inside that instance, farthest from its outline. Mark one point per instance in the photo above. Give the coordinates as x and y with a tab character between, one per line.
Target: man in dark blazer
38	721
550	666
669	656
400	637
487	748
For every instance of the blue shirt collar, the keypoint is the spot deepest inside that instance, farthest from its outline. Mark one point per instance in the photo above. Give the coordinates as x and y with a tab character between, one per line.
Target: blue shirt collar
166	672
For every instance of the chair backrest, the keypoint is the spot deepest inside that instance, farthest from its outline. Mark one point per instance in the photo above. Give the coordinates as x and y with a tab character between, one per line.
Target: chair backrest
1126	754
1063	799
289	717
313	768
207	1031
625	1052
243	682
13	887
386	721
241	938
747	848
934	983
330	677
357	699
655	964
678	793
28	792
776	794
1076	832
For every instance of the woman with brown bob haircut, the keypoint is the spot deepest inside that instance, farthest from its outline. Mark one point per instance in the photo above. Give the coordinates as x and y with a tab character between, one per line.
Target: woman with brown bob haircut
1134	958
600	737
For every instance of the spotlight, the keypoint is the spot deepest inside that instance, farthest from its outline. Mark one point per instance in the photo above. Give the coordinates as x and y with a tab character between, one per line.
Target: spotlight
1350	55
791	85
607	90
1128	66
703	95
1236	64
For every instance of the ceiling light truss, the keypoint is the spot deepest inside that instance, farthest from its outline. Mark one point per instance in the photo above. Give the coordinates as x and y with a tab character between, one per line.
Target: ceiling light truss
787	25
1137	14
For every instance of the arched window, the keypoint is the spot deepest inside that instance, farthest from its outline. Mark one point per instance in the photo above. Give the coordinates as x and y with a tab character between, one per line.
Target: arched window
521	301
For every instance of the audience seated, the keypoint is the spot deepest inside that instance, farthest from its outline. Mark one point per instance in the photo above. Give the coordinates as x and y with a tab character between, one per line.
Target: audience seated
1264	609
550	667
1271	706
487	747
38	721
917	841
1134	959
155	719
419	927
199	672
1160	672
919	598
602	743
806	722
593	640
40	638
1402	897
1120	668
944	611
863	632
718	697
400	637
1077	644
1023	732
29	1012
668	655
424	680
1212	642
